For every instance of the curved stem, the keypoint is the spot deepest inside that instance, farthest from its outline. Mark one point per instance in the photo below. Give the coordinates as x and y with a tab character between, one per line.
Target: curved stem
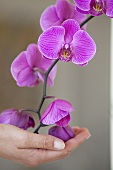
37	129
86	20
45	87
46	76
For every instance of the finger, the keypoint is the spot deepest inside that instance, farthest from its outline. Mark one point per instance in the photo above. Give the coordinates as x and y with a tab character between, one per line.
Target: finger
82	135
49	142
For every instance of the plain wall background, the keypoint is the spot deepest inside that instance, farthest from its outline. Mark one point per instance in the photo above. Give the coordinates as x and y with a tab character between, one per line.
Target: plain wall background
87	88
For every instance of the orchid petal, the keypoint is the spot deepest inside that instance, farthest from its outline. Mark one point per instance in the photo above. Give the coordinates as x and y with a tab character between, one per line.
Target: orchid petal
64	121
64	105
19	64
48	109
49	18
82	11
109	8
64	9
71	27
33	56
84	47
17	118
56	111
5	119
64	133
25	120
27	78
50	42
79	17
83	5
54	116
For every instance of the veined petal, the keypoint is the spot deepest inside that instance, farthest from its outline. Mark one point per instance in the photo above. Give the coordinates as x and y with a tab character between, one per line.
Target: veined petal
27	78
82	11
48	109
83	4
50	42
64	9
64	105
54	116
84	47
64	121
22	123
56	111
71	27
15	118
18	64
33	56
109	8
49	18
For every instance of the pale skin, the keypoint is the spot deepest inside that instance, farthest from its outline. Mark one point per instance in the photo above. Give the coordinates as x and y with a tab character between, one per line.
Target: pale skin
34	149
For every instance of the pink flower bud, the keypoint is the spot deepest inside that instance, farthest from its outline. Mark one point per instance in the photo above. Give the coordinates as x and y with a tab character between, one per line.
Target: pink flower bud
64	133
21	119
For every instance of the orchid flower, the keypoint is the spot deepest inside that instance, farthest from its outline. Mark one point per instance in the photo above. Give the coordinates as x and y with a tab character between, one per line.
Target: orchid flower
17	118
30	66
95	7
55	15
64	133
67	43
58	112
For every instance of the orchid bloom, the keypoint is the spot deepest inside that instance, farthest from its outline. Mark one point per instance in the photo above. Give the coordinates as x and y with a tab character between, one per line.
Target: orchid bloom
64	133
67	43
58	112
30	66
21	119
95	7
55	15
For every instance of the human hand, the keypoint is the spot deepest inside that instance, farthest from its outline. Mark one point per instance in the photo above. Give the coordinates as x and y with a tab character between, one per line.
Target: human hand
33	149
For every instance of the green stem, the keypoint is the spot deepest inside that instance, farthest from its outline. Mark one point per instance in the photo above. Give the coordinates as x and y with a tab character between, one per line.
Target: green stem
86	20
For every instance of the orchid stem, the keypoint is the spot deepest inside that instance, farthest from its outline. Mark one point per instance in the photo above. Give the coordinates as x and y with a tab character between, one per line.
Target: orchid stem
37	129
45	87
86	20
46	76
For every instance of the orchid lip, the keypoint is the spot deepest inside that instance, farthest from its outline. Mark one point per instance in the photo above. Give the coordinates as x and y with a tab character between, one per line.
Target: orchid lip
65	53
98	6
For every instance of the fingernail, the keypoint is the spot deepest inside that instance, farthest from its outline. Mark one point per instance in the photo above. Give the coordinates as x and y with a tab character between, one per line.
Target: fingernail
59	145
80	138
88	137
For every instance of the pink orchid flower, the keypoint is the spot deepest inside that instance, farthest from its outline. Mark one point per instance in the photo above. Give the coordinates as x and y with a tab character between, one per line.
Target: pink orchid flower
21	119
67	43
30	66
64	133
55	15
95	7
58	112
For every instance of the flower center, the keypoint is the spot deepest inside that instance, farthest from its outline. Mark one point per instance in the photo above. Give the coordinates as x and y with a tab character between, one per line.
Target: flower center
98	5
65	53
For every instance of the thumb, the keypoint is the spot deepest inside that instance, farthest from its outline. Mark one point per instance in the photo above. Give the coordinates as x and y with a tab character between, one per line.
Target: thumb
35	141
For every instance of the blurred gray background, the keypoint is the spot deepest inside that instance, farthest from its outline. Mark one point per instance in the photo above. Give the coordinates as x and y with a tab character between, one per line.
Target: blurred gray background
87	88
